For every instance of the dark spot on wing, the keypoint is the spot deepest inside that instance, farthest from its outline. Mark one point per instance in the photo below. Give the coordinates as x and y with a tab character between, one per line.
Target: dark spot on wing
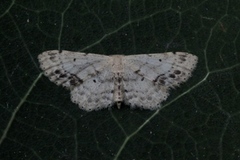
97	72
182	59
57	71
137	71
74	80
94	81
162	81
52	53
172	75
80	80
52	58
177	72
62	76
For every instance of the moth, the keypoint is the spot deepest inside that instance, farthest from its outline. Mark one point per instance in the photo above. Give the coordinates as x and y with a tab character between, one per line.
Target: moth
99	81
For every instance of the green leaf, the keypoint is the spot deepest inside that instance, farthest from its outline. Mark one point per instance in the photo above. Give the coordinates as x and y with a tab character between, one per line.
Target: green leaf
200	120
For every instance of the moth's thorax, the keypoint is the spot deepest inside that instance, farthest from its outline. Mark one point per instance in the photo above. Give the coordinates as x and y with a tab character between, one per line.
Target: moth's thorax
117	64
117	69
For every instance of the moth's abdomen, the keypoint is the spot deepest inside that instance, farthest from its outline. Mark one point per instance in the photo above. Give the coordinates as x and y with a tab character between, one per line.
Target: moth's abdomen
117	69
118	88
